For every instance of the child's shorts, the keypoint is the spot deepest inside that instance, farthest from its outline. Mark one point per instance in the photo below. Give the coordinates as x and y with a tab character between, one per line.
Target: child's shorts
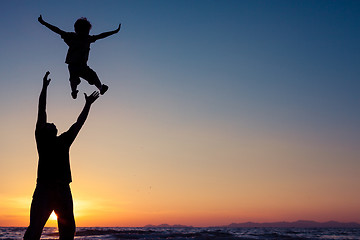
83	71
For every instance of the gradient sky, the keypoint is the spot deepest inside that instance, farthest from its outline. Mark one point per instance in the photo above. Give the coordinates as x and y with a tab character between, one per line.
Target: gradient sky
217	112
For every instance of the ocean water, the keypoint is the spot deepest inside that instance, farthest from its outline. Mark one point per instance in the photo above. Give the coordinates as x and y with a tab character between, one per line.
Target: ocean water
193	233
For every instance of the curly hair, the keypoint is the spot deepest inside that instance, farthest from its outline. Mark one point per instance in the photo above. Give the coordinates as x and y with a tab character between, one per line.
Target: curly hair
82	26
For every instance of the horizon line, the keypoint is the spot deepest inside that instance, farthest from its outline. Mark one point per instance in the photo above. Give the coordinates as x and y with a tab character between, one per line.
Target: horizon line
214	226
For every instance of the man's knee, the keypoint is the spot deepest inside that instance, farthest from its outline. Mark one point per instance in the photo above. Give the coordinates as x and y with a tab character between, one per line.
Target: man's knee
33	233
67	228
67	232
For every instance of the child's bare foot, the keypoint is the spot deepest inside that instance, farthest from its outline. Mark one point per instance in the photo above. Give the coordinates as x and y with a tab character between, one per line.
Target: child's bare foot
103	89
74	94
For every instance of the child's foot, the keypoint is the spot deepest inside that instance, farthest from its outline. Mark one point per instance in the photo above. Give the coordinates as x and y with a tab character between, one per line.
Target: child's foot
74	94
103	89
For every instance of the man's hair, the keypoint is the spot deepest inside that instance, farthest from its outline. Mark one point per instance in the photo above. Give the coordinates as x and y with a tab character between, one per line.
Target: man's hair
82	26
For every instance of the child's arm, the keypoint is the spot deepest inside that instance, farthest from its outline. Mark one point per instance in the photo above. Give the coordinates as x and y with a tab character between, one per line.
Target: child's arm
51	27
106	34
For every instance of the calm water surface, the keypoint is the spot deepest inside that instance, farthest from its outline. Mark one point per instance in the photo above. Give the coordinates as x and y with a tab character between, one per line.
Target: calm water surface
194	233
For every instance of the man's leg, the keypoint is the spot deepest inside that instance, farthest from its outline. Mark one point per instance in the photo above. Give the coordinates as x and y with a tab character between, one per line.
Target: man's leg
65	213
39	213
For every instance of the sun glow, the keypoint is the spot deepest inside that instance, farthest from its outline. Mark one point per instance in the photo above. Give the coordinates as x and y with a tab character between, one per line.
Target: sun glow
53	216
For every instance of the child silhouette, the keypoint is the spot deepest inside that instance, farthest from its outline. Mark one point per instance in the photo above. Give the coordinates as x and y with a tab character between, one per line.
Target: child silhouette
78	53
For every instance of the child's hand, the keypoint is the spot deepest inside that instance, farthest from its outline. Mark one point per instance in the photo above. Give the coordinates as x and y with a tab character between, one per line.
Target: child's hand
40	19
118	29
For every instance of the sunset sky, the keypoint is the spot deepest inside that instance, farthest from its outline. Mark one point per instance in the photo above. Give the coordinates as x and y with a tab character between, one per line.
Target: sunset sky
217	111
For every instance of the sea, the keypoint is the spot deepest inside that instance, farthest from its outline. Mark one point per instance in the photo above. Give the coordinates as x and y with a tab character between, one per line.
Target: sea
192	233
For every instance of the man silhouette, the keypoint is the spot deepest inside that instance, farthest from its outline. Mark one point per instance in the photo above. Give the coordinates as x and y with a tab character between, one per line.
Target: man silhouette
54	175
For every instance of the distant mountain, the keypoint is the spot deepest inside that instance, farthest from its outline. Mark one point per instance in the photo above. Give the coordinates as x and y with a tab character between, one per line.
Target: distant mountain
167	226
297	224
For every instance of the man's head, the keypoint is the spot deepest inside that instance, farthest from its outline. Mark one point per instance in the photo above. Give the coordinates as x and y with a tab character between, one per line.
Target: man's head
51	129
82	26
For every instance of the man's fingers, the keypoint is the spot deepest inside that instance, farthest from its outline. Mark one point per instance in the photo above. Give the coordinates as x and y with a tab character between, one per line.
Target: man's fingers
95	94
46	76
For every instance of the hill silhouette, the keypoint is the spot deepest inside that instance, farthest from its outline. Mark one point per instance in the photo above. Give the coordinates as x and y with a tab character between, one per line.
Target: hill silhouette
297	224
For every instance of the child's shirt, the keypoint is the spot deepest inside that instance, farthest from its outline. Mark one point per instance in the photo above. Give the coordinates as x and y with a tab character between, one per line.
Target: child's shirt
79	47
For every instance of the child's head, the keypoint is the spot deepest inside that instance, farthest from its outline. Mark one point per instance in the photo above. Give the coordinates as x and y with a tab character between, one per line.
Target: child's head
82	26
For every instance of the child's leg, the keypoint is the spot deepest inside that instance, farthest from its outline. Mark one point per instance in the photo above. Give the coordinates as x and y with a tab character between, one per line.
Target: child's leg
74	71
90	75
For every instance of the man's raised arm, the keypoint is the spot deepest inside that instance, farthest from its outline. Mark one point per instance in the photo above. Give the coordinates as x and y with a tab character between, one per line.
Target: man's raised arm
41	120
51	27
89	100
106	34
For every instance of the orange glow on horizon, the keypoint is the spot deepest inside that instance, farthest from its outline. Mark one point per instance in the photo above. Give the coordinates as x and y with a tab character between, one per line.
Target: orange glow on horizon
104	213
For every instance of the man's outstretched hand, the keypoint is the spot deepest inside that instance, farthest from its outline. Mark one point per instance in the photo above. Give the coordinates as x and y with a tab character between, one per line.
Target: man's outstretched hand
46	81
90	99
